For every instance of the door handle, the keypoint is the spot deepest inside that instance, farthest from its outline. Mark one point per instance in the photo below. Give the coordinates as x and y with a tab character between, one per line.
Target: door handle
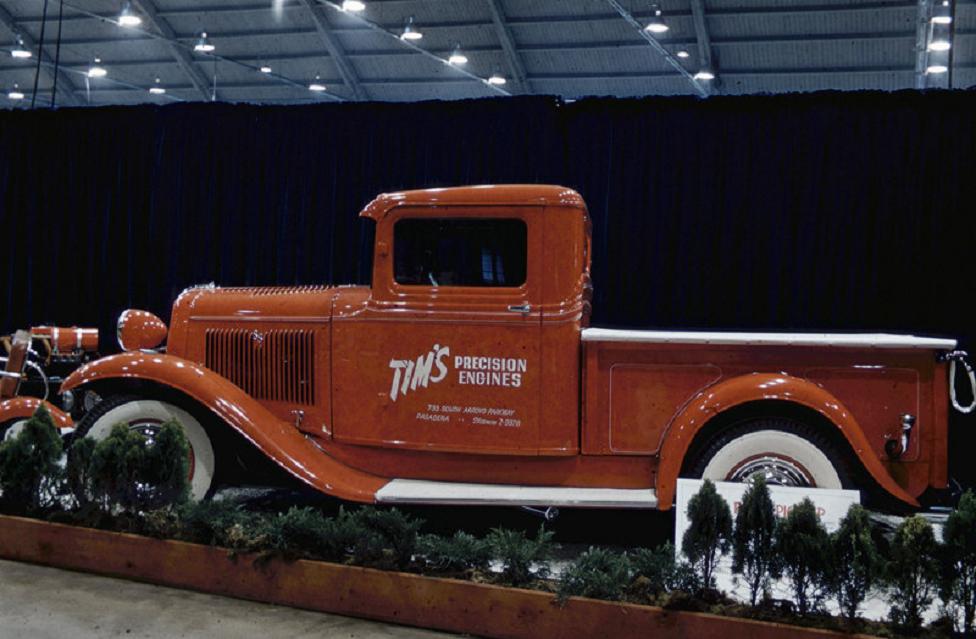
520	308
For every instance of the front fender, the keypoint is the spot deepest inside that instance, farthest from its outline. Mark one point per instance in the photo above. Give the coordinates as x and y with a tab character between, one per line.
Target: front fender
277	439
24	408
758	387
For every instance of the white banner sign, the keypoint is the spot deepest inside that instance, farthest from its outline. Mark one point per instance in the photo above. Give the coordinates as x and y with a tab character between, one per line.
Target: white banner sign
831	504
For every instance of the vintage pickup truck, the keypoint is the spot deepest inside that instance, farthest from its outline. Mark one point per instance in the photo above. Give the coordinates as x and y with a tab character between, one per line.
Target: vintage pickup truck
467	373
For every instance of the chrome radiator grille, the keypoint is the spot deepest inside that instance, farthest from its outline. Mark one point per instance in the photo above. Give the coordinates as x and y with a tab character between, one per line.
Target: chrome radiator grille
275	365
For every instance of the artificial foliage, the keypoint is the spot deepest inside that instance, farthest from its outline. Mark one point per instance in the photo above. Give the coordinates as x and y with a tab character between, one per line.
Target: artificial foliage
130	473
598	573
856	562
459	553
959	560
78	469
709	532
522	559
753	555
29	465
803	546
657	572
913	571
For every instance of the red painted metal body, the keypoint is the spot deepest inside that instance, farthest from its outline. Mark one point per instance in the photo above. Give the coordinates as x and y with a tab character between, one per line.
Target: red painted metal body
348	387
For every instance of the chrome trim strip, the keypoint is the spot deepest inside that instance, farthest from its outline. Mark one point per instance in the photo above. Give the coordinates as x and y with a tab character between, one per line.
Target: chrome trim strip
417	491
867	340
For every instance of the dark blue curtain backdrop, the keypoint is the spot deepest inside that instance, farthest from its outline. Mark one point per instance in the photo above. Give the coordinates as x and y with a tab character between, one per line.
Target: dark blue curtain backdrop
828	211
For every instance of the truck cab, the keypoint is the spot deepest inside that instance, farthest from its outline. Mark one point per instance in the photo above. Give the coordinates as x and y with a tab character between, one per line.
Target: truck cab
467	374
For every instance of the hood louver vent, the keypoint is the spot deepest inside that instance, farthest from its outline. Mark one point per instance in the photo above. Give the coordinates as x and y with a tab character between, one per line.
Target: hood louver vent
275	365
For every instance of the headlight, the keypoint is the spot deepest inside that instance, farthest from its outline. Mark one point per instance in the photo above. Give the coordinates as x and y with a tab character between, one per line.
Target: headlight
140	330
67	401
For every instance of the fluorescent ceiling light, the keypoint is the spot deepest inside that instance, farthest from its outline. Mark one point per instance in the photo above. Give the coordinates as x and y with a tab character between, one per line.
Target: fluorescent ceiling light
20	52
96	70
15	95
682	54
705	74
937	68
657	24
203	45
127	18
457	57
410	32
497	79
265	69
939	45
353	5
157	90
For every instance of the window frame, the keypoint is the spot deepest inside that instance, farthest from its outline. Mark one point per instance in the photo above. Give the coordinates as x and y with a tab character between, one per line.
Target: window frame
461	219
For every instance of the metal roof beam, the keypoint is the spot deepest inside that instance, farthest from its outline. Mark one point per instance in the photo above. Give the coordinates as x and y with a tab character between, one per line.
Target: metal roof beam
515	65
699	88
65	84
373	26
704	43
182	56
338	55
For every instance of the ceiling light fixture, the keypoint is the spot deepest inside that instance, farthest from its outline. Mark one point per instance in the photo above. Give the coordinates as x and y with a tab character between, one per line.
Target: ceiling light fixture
657	24
127	18
497	79
265	68
939	45
937	68
20	51
157	90
203	45
941	15
705	74
456	56
15	94
682	54
353	5
410	31
316	85
96	70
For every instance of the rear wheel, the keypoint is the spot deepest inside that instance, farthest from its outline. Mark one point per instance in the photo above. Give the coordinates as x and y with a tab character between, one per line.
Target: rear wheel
11	428
147	416
783	451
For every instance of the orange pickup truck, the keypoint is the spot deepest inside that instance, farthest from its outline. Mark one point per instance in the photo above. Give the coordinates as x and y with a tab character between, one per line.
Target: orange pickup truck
467	373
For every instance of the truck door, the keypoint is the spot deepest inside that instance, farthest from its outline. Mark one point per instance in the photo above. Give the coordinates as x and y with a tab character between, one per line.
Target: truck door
445	356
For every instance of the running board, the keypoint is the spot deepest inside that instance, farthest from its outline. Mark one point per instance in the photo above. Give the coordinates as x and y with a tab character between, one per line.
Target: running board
416	491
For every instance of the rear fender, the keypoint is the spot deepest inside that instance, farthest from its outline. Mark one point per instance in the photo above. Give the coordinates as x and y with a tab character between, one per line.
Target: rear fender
718	399
277	439
24	407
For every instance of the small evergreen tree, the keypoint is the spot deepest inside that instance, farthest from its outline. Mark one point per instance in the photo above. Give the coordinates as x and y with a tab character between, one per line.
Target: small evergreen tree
29	469
518	554
655	569
913	571
857	565
753	554
959	566
709	532
78	471
130	473
803	545
460	553
598	573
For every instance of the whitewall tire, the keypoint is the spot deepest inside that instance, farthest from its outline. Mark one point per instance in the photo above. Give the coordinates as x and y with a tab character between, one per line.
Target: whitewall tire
146	414
11	429
785	453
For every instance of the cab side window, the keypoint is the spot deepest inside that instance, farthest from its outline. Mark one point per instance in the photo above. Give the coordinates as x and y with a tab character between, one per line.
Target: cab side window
460	252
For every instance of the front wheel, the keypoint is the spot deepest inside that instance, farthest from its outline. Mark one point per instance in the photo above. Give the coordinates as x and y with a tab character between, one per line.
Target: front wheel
147	416
784	452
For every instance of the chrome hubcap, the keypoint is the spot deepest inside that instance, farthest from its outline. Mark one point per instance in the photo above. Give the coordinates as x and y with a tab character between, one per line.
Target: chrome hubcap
776	471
